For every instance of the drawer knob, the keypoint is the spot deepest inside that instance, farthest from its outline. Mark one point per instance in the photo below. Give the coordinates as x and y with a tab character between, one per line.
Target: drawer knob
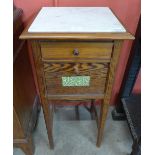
76	52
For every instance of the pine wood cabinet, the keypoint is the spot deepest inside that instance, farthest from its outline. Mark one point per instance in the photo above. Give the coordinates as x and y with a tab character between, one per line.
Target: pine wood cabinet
76	50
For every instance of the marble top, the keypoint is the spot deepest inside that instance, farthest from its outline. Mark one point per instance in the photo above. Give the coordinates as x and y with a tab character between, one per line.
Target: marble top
75	20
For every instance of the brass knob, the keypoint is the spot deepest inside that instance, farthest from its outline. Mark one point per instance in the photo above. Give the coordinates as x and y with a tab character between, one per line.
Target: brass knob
76	52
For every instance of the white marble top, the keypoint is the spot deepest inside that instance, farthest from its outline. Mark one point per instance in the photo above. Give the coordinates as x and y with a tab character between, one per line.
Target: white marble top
76	20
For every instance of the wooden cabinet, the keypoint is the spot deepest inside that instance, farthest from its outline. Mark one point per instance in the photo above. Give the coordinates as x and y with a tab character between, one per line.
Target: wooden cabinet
75	56
25	100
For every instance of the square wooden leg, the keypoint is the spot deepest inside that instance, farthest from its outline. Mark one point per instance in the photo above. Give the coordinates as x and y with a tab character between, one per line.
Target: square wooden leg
103	116
77	112
28	148
26	145
48	116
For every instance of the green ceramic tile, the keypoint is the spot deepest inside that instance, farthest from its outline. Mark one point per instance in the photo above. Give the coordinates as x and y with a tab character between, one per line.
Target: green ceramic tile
75	81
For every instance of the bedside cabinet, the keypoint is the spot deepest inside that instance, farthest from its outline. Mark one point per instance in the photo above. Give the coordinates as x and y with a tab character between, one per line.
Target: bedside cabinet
25	99
76	50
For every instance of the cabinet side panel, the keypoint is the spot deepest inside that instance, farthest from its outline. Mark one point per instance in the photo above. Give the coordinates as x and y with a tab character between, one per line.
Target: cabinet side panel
23	86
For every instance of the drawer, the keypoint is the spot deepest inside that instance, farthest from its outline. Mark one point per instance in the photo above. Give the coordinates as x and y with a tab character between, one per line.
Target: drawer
55	73
76	50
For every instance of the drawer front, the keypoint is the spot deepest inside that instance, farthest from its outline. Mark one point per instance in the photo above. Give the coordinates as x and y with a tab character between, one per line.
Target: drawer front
54	73
72	50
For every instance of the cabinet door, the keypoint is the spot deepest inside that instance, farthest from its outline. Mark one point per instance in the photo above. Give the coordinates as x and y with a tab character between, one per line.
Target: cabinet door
75	78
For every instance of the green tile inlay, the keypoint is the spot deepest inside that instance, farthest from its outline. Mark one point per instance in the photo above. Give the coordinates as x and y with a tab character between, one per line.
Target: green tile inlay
75	81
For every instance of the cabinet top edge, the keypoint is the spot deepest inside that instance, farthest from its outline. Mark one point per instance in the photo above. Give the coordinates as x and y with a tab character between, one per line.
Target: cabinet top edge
75	35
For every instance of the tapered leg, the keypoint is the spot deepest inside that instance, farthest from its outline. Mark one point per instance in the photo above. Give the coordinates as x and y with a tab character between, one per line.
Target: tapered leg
28	148
77	112
110	79
44	101
94	111
103	115
48	116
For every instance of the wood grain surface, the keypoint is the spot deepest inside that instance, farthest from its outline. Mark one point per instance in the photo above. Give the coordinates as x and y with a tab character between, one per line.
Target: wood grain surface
55	71
86	50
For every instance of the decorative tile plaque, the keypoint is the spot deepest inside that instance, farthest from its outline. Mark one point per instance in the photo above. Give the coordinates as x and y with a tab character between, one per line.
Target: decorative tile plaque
73	81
